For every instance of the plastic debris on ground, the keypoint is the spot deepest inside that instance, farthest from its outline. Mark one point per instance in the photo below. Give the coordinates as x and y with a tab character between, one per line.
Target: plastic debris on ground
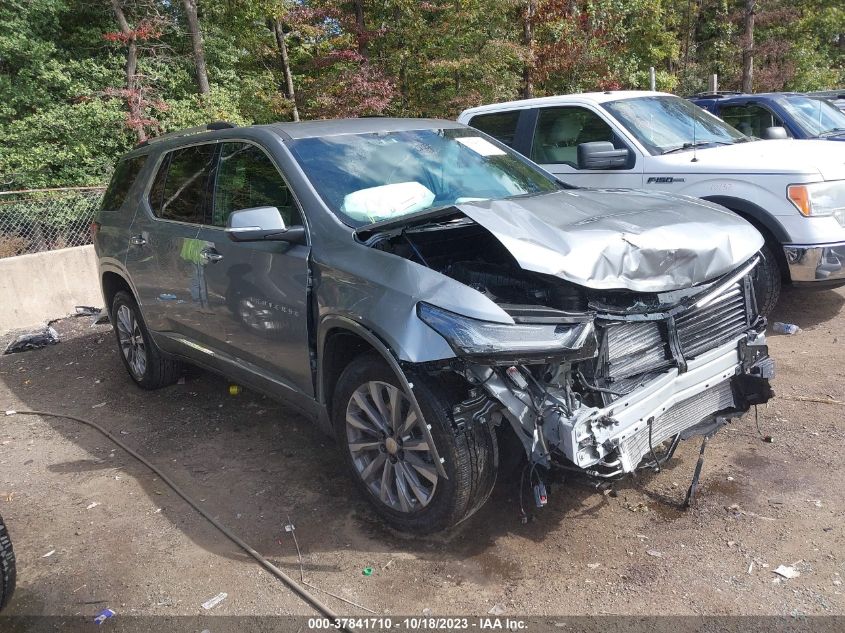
367	571
99	315
104	615
497	609
33	340
213	602
49	554
787	571
785	328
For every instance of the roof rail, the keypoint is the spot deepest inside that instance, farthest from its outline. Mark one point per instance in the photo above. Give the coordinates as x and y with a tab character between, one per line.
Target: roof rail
209	127
716	95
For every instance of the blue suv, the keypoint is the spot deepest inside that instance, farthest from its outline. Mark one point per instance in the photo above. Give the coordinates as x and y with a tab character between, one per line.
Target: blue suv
801	116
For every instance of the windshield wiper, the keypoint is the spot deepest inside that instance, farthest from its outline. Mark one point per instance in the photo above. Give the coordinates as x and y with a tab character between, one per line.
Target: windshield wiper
686	146
831	132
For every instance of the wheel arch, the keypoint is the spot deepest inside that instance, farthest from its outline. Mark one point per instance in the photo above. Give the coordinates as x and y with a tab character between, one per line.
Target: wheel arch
112	283
772	230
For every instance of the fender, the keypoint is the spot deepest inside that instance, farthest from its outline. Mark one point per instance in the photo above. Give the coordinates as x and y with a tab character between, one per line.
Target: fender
749	210
330	322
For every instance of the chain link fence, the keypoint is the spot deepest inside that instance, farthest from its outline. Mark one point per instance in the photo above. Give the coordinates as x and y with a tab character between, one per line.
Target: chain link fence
37	220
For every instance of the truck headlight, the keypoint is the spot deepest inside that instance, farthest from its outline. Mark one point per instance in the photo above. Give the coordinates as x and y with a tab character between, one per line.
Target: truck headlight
819	199
502	341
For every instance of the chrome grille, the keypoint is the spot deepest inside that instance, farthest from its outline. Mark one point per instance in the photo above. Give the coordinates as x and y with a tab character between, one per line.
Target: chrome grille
633	348
706	328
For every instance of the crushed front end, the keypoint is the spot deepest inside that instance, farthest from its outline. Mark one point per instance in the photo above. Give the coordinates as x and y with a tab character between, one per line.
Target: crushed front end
606	382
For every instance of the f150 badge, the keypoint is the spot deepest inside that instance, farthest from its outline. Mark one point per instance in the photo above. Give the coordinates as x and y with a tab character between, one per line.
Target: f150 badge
664	180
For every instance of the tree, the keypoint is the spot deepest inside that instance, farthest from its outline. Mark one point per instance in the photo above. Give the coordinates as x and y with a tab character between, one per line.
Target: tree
748	48
197	44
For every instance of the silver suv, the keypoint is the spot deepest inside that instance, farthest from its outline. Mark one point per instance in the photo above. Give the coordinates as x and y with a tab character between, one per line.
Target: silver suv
431	298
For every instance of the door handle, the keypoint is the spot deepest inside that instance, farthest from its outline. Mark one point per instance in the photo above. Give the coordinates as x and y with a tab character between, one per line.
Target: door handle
210	256
137	240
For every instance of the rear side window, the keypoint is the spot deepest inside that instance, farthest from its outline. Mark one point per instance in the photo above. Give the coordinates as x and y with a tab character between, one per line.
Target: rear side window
501	125
180	187
750	119
124	175
247	178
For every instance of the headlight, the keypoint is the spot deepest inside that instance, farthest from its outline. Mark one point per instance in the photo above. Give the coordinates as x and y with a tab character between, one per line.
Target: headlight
819	199
500	341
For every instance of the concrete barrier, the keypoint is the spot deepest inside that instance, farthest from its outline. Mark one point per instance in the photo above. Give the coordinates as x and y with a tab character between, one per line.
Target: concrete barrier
43	286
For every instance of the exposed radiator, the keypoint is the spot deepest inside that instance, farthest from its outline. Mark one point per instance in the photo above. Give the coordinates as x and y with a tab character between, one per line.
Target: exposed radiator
703	329
634	348
677	418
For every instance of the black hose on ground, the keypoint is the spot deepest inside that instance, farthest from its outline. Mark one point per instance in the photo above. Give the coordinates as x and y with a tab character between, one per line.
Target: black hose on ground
270	567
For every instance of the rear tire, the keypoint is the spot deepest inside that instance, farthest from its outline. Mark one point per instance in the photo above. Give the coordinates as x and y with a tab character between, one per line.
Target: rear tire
470	455
767	281
144	361
7	566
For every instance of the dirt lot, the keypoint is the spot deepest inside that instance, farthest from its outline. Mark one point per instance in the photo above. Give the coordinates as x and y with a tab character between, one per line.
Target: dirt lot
254	463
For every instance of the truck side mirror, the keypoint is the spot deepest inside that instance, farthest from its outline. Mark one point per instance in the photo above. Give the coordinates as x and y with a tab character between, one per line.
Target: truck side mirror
601	155
775	132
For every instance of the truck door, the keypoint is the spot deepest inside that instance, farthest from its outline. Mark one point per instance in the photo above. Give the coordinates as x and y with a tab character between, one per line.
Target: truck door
557	134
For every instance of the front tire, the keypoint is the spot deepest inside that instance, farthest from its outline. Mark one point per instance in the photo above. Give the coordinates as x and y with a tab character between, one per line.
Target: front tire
144	361
767	281
7	566
385	447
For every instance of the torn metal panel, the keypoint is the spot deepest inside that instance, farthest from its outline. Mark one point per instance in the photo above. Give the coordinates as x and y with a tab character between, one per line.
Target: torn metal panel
607	239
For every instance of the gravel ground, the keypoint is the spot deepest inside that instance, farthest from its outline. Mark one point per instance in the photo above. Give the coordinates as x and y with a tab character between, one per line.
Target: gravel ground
92	528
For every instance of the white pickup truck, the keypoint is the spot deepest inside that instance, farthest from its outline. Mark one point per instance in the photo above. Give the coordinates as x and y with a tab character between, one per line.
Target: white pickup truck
793	192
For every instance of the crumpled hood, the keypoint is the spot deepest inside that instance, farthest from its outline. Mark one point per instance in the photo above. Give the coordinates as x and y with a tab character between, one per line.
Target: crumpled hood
619	238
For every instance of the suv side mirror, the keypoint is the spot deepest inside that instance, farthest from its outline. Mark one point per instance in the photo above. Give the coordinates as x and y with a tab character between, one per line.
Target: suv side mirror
260	224
776	132
601	155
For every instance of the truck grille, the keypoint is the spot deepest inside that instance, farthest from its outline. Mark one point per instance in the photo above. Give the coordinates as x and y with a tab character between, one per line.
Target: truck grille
639	347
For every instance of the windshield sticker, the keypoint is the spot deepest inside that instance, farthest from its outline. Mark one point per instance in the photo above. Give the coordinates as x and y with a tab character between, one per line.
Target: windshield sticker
480	146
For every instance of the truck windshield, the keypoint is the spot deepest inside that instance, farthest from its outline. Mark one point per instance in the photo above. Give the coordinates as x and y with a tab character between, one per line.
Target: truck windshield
816	117
365	178
665	124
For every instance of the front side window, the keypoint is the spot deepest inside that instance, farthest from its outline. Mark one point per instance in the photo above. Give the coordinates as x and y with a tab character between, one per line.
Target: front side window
365	178
124	175
501	125
559	131
750	119
665	124
179	190
816	117
247	178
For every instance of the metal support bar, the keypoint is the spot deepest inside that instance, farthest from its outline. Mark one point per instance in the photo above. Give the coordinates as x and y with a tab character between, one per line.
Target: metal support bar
693	488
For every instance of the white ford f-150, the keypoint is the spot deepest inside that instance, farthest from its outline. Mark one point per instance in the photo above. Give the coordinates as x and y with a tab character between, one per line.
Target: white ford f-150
792	191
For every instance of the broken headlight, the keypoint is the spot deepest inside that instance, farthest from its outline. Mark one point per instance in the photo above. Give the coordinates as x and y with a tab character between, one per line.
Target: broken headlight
500	341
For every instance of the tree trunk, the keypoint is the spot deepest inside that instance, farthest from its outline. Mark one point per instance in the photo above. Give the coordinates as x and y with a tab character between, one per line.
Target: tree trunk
748	49
528	42
279	32
133	95
359	26
196	41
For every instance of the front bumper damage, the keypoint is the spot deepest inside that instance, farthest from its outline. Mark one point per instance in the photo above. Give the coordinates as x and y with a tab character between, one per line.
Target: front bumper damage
653	378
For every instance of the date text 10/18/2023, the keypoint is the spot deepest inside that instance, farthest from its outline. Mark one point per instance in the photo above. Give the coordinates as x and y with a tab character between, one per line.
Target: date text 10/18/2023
422	623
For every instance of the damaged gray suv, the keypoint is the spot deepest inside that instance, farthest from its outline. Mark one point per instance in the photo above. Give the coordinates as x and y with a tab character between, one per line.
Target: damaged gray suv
433	299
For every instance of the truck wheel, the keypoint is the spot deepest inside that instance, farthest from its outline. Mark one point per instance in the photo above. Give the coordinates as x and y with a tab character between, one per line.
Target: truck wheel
7	566
385	448
767	281
144	361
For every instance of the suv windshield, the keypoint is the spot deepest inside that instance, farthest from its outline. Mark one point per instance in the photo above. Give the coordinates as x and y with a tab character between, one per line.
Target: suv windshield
666	124
816	117
365	178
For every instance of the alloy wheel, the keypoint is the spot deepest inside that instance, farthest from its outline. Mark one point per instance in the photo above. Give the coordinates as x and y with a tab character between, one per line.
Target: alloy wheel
131	341
388	447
